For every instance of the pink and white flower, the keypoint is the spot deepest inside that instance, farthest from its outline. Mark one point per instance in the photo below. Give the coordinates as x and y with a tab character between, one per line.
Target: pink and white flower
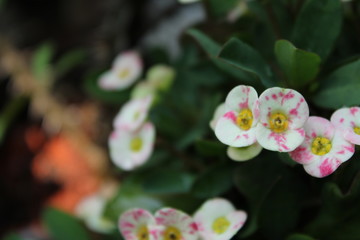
324	148
127	68
175	225
283	113
348	121
130	149
133	114
219	112
138	224
236	127
217	219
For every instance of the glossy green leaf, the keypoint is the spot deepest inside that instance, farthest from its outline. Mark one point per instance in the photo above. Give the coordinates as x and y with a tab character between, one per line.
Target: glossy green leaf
63	226
213	49
214	181
167	181
299	66
340	88
299	237
219	8
318	26
244	57
41	61
210	148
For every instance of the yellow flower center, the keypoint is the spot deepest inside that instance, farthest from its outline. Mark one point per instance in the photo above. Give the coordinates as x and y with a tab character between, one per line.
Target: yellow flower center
172	233
278	122
136	144
357	130
124	73
321	146
244	119
143	233
220	225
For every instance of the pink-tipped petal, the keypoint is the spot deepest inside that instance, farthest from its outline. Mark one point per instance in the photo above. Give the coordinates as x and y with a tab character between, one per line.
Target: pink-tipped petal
346	119
288	102
219	112
169	217
132	220
241	97
282	142
108	81
318	126
230	134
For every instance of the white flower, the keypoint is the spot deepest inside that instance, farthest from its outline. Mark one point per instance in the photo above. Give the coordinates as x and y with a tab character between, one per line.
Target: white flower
133	114
217	219
219	112
160	76
324	148
127	68
348	121
130	149
236	127
283	113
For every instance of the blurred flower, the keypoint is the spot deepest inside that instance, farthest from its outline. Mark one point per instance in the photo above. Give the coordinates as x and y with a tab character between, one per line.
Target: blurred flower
217	219
130	149
219	112
324	148
161	77
127	68
348	121
137	224
143	89
244	153
236	127
283	113
90	209
175	225
133	114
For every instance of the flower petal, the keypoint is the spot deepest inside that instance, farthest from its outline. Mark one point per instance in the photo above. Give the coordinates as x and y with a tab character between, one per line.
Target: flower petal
130	62
108	81
241	97
286	101
282	142
133	220
229	133
132	115
169	217
244	153
346	119
219	112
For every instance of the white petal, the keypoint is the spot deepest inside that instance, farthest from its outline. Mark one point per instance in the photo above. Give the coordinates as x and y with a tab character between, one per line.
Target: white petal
346	119
244	153
282	142
241	97
219	111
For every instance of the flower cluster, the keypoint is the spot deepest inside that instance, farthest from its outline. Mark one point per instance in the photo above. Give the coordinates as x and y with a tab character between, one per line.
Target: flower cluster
132	140
278	120
216	219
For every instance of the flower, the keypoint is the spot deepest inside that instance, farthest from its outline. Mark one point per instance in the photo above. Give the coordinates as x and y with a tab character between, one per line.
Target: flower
217	219
283	113
175	225
324	148
161	77
133	114
127	67
91	209
130	149
137	224
244	153
348	121
236	127
143	89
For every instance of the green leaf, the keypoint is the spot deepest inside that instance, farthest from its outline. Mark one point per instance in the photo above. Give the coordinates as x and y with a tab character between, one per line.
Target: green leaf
214	181
63	226
210	148
12	236
41	61
92	88
299	237
69	61
340	88
300	67
318	26
242	56
219	8
167	181
212	49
